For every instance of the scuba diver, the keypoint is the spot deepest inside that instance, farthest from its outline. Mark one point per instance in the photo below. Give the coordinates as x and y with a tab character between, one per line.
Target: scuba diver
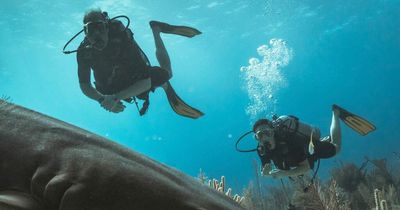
288	147
122	71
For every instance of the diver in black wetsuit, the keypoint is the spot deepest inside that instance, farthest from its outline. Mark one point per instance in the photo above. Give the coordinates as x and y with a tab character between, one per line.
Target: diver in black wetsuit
288	147
121	69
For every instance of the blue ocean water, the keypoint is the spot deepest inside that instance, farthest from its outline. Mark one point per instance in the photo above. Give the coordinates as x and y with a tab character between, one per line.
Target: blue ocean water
255	58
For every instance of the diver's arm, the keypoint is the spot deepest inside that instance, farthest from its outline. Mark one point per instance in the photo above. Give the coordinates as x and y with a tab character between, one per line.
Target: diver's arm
266	169
108	102
90	91
299	170
265	158
303	168
84	79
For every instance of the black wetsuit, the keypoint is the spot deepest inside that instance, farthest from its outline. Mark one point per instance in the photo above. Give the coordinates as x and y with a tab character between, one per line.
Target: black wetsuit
285	155
120	64
292	146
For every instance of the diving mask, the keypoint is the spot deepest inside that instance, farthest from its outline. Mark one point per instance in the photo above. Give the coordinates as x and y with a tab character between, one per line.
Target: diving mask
92	27
265	135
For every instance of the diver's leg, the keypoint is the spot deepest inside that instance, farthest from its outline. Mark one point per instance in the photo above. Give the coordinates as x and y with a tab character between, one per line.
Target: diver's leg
161	51
336	134
137	88
157	76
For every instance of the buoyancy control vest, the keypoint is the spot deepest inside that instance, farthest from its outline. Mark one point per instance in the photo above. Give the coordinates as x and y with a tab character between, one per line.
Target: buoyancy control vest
292	138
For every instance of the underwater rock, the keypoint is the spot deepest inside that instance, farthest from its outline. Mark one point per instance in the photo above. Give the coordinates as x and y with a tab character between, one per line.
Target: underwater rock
49	164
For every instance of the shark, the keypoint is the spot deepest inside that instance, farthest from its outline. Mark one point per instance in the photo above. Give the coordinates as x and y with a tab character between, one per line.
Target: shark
47	164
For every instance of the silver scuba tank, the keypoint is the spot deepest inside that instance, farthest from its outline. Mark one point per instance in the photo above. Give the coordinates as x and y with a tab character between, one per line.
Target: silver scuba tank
298	128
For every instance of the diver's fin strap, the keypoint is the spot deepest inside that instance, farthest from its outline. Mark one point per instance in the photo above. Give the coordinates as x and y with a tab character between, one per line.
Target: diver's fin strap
179	106
357	123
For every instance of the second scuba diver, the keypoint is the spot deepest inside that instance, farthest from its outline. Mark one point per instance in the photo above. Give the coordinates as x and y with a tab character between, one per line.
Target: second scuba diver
288	147
121	69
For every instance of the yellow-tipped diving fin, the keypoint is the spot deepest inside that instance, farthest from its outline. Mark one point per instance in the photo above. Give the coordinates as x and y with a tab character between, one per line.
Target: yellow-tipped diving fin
357	123
179	106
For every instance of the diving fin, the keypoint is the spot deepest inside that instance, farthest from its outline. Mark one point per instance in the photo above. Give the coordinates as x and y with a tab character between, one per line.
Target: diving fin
178	30
179	106
357	123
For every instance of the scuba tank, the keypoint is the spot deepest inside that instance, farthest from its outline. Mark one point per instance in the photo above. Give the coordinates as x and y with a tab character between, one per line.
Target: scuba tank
290	129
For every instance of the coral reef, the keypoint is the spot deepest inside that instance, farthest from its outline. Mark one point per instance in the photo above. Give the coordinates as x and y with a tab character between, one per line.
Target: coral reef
372	185
219	186
4	99
322	196
386	198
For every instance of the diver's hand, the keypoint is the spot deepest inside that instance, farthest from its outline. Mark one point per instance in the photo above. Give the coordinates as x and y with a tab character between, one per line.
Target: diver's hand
111	104
278	174
265	170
